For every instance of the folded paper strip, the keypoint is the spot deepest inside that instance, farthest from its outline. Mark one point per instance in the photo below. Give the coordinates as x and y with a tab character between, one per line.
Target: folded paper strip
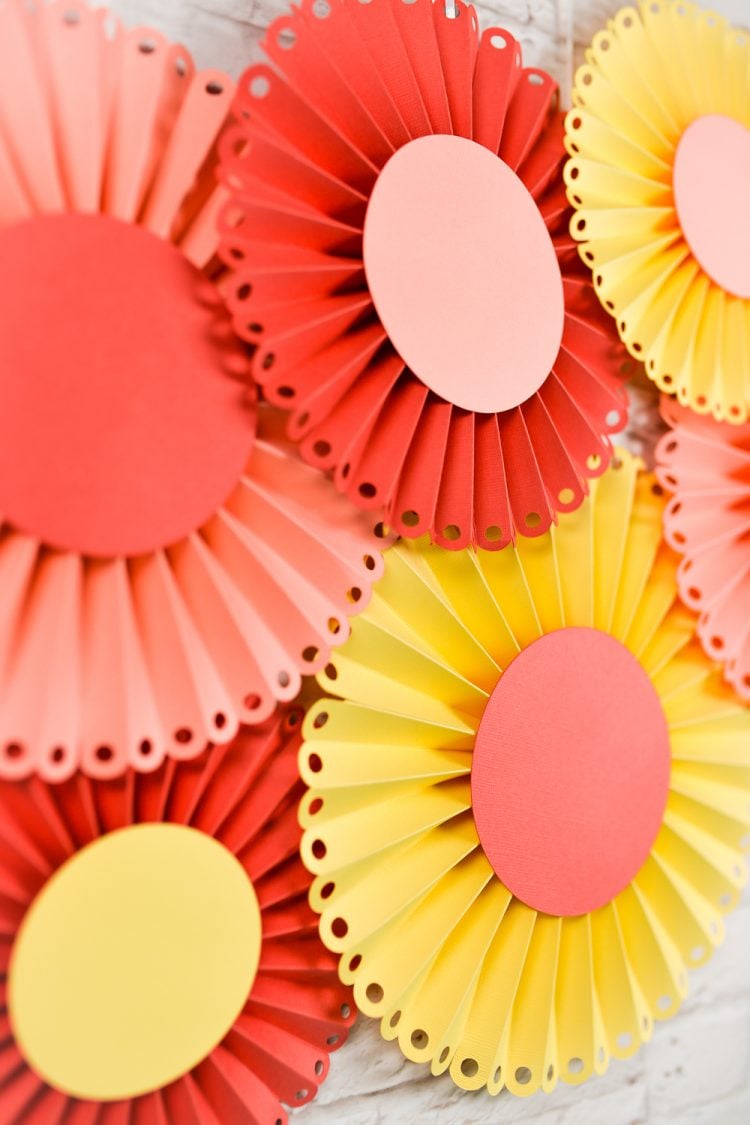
164	573
658	176
398	240
219	821
706	465
529	802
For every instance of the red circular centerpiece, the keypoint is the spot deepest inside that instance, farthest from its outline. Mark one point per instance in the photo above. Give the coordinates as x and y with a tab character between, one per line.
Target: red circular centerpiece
122	428
570	772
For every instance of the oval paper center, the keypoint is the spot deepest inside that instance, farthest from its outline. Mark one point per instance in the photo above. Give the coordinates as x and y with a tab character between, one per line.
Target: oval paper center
463	273
121	426
711	180
570	772
133	961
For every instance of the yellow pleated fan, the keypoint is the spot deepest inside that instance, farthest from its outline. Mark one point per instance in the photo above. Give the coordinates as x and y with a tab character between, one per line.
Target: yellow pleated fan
529	806
659	138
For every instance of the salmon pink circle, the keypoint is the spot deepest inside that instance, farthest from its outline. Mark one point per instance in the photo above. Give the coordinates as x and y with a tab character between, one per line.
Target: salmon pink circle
570	772
711	177
463	273
123	424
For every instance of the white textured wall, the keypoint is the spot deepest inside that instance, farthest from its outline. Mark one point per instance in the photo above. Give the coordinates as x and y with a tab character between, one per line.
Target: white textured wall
697	1069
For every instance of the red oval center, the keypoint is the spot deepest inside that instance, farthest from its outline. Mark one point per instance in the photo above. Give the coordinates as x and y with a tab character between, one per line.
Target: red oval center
570	772
123	425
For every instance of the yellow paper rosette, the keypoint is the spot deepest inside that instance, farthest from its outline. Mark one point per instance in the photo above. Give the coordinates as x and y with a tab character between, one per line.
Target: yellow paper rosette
659	139
529	804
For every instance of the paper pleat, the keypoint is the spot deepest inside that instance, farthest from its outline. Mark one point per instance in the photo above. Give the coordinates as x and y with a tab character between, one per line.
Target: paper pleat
706	466
104	119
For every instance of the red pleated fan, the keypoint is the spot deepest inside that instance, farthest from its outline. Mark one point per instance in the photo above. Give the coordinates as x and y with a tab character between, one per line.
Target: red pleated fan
296	1011
349	86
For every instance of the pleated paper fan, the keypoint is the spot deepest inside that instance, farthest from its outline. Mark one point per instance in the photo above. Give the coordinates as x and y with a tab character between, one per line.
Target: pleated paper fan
658	175
164	575
706	465
529	803
160	960
398	236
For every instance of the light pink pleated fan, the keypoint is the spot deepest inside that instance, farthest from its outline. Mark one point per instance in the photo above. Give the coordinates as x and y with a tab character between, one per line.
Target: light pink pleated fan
706	465
165	573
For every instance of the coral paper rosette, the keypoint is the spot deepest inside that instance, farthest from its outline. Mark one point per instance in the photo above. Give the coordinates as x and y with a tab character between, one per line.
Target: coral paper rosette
160	960
401	260
529	805
659	138
163	574
706	465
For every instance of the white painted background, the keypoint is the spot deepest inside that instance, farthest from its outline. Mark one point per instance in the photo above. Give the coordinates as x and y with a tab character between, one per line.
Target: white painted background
697	1069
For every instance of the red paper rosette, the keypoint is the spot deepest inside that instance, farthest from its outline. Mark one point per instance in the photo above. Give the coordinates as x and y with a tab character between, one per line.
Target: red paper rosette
164	575
706	464
415	301
226	824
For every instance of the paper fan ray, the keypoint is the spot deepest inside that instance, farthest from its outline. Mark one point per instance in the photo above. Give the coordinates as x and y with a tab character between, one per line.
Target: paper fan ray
706	465
529	802
289	1019
164	575
657	173
475	409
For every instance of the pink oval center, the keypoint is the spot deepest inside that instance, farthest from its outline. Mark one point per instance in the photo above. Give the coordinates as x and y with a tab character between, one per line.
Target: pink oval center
123	425
570	772
463	273
711	180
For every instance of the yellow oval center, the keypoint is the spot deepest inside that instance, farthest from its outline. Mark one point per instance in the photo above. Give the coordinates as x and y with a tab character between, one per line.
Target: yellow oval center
133	961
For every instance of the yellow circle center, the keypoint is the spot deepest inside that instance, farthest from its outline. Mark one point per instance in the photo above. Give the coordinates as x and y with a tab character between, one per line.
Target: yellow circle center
134	961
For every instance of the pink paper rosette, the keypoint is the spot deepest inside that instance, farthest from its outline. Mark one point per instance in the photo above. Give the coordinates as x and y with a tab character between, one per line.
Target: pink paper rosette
165	573
706	465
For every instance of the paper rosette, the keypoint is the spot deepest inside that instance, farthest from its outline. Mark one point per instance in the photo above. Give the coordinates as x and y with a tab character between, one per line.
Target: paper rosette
416	302
706	465
658	174
160	960
164	576
529	804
